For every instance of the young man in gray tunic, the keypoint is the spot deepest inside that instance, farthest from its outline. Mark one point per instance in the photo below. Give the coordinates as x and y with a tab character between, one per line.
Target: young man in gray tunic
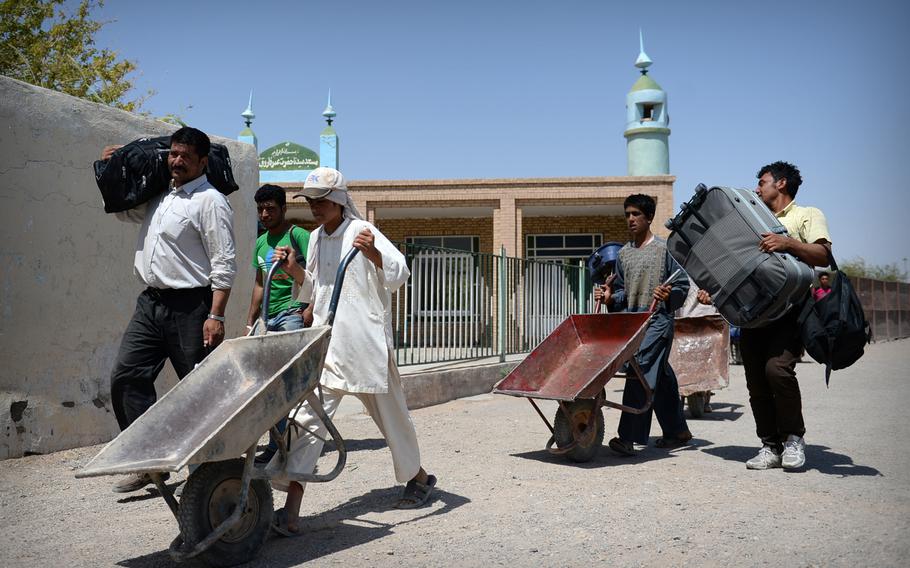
641	268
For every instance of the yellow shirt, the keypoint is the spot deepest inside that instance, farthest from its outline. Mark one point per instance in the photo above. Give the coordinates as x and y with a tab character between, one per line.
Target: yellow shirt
806	224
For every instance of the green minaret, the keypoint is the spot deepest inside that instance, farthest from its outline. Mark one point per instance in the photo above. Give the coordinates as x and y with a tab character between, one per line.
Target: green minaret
647	123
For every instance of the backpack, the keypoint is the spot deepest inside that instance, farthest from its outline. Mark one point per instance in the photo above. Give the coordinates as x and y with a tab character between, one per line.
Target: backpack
834	329
138	172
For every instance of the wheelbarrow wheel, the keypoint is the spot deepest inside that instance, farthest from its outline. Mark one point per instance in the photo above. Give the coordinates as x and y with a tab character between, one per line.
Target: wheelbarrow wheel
574	429
209	497
696	402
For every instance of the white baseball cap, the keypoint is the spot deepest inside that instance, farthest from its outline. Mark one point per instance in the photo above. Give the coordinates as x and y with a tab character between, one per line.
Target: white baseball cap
320	182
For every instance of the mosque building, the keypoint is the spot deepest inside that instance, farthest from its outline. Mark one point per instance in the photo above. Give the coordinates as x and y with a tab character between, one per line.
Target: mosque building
543	218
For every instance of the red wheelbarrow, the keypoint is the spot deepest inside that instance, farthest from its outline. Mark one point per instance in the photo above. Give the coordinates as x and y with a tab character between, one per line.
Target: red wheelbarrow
572	366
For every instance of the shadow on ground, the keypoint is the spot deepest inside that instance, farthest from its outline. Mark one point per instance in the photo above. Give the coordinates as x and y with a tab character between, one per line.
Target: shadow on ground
608	458
367	444
818	458
150	492
334	530
722	411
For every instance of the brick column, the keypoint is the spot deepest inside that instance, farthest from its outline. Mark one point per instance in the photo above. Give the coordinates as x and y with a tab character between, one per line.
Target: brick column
506	223
364	207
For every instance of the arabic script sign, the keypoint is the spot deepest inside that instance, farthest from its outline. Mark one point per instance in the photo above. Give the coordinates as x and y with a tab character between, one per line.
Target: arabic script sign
288	156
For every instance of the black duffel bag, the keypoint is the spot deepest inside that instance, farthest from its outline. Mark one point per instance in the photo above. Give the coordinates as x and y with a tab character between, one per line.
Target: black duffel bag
138	171
834	329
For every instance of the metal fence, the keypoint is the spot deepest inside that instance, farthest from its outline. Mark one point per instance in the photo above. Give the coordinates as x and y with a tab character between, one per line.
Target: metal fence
464	305
887	307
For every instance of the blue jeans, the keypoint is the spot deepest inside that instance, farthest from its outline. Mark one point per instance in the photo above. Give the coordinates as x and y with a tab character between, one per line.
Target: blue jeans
288	320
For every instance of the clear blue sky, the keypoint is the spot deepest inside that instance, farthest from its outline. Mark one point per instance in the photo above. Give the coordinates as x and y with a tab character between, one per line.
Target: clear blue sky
474	89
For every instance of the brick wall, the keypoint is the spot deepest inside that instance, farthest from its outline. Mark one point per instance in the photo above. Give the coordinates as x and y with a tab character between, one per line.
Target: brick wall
611	228
399	229
505	200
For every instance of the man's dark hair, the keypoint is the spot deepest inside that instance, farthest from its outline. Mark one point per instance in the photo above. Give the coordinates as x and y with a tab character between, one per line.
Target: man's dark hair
270	192
193	137
642	202
784	170
823	275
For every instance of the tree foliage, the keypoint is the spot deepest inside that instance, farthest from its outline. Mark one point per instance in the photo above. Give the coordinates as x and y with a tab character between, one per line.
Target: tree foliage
43	45
857	267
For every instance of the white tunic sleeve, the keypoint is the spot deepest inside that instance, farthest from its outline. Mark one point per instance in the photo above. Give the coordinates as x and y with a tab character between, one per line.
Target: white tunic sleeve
394	271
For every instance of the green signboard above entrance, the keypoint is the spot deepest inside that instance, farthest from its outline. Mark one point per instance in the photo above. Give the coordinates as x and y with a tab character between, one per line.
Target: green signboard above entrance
288	156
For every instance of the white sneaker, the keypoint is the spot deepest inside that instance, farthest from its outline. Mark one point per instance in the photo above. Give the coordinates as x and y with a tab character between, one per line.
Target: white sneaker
767	458
794	455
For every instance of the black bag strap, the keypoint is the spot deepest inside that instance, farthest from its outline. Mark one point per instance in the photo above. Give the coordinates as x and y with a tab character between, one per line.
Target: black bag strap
842	309
808	306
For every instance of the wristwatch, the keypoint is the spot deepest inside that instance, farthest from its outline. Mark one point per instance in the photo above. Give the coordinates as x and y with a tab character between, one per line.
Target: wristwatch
214	317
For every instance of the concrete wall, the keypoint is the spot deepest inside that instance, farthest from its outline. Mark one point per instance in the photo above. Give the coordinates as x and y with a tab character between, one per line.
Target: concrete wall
66	283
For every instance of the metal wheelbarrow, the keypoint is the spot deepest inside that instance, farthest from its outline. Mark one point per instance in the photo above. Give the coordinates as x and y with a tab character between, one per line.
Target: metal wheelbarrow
572	366
700	360
217	414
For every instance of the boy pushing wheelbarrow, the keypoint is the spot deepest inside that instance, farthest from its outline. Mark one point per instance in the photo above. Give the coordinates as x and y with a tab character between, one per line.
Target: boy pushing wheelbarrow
360	359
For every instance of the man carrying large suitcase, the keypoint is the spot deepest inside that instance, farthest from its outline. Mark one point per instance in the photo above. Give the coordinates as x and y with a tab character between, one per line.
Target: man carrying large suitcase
770	352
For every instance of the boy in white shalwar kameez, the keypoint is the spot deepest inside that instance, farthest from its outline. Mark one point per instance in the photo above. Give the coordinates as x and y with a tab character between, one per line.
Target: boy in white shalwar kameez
360	357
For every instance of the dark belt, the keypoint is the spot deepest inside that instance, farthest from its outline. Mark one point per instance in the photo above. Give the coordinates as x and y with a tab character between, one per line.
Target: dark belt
175	293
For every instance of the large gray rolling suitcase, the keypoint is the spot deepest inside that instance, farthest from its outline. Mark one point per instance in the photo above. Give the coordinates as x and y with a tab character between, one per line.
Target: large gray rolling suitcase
715	239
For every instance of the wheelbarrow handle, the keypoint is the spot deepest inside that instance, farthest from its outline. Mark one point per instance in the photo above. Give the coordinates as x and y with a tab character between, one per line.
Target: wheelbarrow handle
336	292
339	281
667	281
608	283
267	292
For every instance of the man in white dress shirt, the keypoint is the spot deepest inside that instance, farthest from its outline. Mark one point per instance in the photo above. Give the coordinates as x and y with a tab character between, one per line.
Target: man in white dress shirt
360	359
185	258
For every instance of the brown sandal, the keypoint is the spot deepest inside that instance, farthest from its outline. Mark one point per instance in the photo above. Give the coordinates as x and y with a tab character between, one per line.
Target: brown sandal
677	441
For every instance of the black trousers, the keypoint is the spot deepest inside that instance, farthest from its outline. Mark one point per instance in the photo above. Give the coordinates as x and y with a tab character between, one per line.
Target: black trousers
666	405
167	324
653	356
769	358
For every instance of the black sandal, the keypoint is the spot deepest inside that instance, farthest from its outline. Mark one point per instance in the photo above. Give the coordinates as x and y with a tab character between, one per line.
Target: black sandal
622	447
416	494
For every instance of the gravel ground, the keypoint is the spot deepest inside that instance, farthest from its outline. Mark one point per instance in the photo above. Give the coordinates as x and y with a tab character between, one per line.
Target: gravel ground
503	500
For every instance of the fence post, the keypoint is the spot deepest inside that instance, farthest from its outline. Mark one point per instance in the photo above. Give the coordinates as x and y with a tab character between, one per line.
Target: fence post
501	290
887	319
581	287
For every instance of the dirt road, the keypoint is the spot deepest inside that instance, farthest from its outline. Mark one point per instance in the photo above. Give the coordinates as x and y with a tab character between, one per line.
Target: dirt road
503	500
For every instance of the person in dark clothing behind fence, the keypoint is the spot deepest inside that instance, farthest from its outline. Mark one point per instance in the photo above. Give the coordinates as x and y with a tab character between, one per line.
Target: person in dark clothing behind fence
642	267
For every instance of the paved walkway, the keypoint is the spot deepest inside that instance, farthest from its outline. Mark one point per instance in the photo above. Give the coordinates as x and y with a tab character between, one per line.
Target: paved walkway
504	501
